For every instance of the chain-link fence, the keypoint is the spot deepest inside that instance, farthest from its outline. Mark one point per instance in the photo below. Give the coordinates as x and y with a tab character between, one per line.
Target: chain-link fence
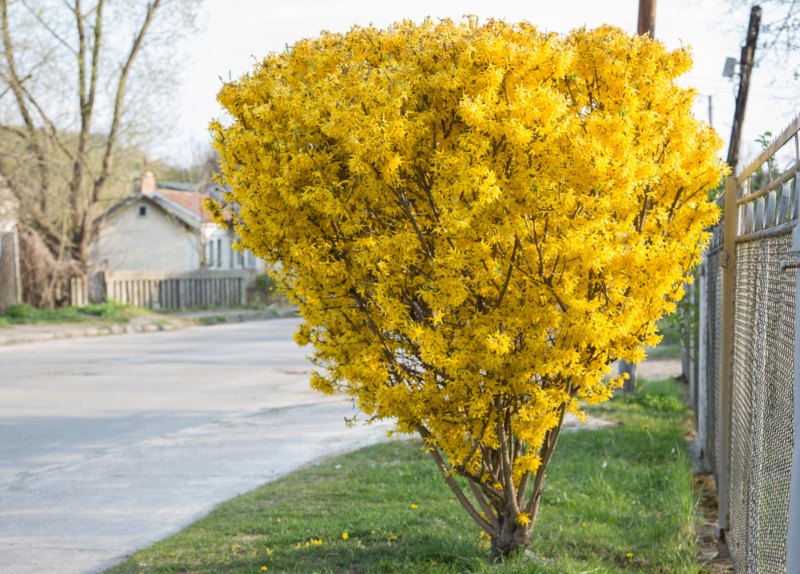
10	284
748	387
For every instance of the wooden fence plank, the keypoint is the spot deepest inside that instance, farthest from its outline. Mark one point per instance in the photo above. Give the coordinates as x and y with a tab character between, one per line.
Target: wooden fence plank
175	290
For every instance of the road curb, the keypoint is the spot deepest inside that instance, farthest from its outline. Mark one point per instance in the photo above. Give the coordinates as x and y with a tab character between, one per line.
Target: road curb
38	334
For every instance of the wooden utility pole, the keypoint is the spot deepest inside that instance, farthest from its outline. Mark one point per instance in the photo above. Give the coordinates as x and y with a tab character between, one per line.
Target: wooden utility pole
647	26
647	18
745	68
711	111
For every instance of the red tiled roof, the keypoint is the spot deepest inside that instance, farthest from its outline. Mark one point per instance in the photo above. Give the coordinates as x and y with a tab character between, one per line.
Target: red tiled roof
190	200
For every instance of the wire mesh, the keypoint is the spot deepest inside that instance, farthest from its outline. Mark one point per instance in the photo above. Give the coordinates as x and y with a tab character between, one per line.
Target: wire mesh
714	330
762	409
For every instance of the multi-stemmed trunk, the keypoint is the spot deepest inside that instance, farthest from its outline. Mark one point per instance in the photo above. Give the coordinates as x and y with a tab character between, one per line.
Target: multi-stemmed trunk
505	509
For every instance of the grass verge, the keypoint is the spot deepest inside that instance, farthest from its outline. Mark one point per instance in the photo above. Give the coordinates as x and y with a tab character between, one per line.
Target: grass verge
618	499
110	312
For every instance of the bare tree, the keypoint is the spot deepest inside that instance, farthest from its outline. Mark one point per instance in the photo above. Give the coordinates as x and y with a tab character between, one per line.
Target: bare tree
779	33
69	74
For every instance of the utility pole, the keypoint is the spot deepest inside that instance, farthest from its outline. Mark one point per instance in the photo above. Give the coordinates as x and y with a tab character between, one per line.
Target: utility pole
711	111
647	26
647	18
745	68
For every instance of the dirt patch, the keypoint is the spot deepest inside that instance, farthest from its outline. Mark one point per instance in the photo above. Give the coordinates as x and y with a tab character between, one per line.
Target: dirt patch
712	556
655	369
572	423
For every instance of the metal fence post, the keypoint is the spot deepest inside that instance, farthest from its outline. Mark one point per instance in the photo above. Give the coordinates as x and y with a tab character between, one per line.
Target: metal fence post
701	408
728	263
793	534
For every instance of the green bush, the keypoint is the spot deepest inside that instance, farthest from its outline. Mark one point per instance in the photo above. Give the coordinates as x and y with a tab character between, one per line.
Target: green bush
21	312
106	310
659	396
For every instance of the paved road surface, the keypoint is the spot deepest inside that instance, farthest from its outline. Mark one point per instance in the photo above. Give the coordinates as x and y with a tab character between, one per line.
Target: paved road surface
109	444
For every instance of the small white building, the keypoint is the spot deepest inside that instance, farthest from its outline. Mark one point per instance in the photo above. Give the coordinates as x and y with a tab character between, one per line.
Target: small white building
164	227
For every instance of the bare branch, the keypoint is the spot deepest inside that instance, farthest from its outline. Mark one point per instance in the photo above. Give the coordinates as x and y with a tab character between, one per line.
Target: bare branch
487	510
119	98
47	26
448	477
551	438
15	83
506	463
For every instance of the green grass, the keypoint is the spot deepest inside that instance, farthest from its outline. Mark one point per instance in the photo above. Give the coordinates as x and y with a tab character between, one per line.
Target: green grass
111	312
617	500
664	351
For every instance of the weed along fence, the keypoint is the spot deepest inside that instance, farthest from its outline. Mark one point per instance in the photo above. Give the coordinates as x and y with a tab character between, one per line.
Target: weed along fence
164	290
747	394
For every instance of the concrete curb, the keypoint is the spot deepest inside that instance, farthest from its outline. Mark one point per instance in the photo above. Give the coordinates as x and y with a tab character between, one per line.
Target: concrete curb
22	334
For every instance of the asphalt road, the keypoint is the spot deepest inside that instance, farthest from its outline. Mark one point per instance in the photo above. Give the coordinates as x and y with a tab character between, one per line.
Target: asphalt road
110	444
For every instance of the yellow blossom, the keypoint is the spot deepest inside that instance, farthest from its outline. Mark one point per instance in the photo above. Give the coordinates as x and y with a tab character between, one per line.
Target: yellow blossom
345	536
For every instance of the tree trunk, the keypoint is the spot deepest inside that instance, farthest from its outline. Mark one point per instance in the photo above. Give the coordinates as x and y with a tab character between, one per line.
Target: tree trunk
512	538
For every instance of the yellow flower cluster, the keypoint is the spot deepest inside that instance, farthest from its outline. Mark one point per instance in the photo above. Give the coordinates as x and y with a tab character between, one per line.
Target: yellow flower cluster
313	541
474	221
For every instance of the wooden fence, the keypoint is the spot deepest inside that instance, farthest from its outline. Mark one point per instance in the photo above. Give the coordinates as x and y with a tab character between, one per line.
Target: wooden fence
163	290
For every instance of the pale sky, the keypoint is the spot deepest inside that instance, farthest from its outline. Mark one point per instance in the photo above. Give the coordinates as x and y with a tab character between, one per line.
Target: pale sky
237	33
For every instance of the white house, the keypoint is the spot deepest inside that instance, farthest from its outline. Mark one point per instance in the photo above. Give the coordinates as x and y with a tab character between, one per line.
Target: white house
164	227
8	211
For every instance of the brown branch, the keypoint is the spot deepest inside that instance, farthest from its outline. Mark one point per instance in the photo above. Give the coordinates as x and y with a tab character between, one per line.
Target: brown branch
506	463
15	84
86	101
508	273
551	439
487	510
116	118
49	28
448	477
461	468
523	486
405	205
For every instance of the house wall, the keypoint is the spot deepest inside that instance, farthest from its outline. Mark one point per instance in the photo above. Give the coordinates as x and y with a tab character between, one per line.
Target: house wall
154	241
8	211
220	254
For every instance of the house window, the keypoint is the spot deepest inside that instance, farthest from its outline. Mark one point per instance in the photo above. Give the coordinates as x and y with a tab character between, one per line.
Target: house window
251	260
142	211
239	259
209	254
219	253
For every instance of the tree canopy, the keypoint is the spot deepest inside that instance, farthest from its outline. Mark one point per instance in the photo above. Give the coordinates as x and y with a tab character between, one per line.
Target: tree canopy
475	221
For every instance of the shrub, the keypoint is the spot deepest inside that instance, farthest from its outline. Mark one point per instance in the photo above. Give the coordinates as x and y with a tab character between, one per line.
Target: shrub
474	221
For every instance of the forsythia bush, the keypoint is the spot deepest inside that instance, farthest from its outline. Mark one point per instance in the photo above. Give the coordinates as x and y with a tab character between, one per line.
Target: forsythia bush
474	221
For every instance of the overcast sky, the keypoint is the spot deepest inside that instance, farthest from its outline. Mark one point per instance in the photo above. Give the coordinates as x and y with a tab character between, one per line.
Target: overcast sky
236	33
